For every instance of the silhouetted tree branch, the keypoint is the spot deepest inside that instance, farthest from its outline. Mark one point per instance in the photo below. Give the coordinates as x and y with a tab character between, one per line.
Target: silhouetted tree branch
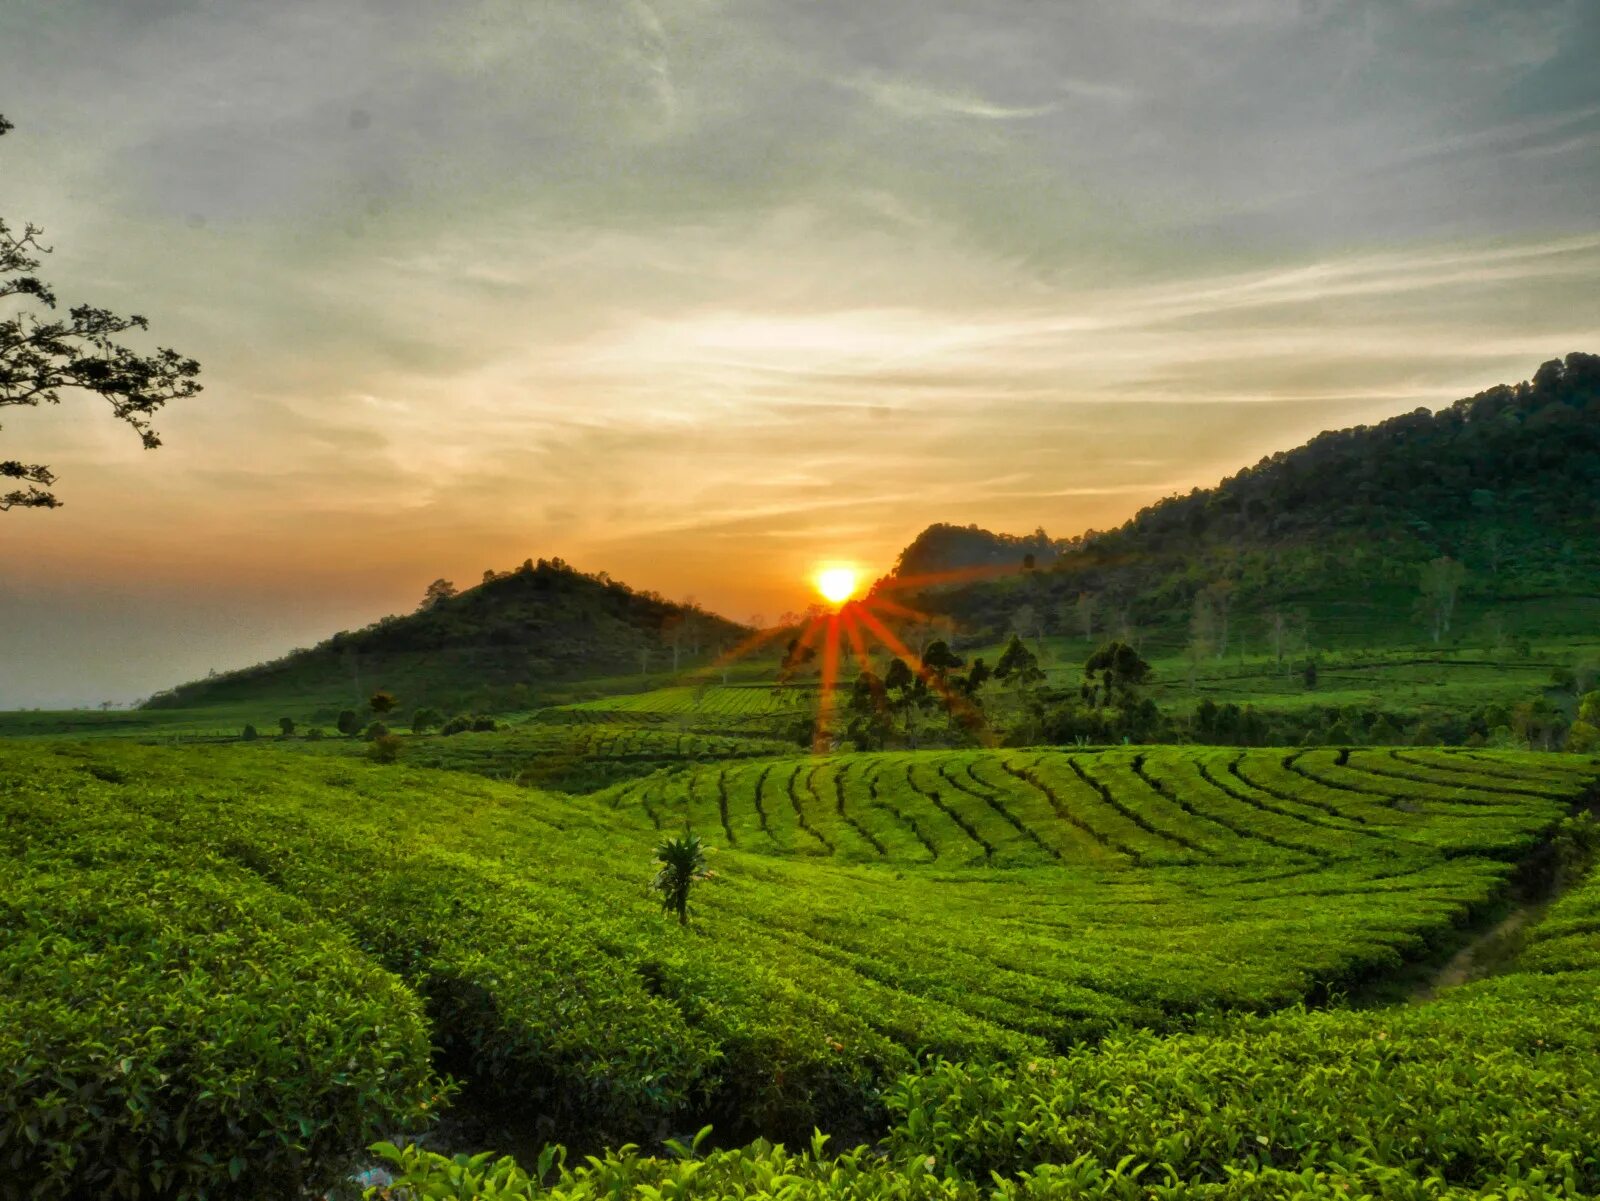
40	358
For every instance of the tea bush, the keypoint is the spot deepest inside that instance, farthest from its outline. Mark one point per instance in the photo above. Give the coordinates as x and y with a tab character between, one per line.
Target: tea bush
186	1033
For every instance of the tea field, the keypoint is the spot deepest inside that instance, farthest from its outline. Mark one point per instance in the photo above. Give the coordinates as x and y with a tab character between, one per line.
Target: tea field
323	941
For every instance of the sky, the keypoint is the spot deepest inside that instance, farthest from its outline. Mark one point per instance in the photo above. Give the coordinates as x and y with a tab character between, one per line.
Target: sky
702	293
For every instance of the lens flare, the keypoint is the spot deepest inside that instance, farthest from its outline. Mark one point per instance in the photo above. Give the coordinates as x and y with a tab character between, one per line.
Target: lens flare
837	584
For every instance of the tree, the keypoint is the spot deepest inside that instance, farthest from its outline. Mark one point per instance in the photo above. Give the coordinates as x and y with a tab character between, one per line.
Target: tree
1026	623
1202	634
348	723
940	659
673	628
40	359
436	594
1120	672
1278	633
385	748
382	701
1084	610
1221	594
1017	664
248	734
286	726
870	720
681	861
426	718
909	696
1441	582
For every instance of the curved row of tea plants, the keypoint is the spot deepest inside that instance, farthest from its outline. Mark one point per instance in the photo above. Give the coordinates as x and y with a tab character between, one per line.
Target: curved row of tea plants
1120	808
522	926
1491	1090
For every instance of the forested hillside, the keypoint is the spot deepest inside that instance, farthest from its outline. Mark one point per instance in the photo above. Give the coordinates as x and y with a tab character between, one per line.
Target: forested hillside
498	644
1498	496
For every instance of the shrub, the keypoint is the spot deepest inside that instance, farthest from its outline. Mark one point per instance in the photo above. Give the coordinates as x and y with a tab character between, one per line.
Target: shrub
484	724
385	748
169	1032
376	730
459	724
249	734
314	734
348	723
286	726
425	719
382	701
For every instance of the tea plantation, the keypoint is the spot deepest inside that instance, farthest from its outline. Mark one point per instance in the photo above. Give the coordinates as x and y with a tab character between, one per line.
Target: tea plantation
225	970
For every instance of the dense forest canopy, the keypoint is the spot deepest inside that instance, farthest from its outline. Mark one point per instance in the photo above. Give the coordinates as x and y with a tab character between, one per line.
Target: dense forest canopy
1505	483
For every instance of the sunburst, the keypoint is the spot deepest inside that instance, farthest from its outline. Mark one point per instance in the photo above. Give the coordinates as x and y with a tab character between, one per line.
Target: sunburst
860	623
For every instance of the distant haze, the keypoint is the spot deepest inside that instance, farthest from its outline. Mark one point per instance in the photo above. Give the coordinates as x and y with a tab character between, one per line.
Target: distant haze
701	293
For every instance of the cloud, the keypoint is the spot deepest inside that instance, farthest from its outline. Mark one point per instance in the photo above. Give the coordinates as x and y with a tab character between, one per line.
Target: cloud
911	99
668	285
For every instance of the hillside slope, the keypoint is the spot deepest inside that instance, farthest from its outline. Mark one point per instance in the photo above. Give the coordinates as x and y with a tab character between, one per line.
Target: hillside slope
501	644
1505	483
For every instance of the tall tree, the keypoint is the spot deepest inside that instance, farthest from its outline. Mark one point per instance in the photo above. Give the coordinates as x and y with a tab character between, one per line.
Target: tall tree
43	356
436	594
1441	583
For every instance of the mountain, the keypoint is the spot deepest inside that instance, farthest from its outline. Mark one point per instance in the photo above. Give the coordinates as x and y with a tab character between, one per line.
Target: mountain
944	549
1505	483
505	643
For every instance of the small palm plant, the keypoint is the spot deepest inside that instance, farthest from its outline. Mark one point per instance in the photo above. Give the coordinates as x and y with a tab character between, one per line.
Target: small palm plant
682	860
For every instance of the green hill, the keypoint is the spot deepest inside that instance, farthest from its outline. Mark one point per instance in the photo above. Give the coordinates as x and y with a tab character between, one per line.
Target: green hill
512	641
1336	534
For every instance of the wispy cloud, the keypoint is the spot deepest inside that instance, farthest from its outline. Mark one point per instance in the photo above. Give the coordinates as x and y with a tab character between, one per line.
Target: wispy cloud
911	99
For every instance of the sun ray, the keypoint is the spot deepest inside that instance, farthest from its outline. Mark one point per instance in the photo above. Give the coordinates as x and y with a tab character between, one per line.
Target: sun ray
830	676
746	646
967	713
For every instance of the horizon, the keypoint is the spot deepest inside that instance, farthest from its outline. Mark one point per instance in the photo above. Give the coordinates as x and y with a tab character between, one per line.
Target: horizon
705	299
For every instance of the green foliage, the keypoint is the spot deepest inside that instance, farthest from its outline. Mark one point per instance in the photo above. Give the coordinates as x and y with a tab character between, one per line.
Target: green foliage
249	734
286	727
1017	664
382	702
180	1029
1498	1082
348	724
374	731
976	906
426	718
384	748
681	862
1487	504
458	724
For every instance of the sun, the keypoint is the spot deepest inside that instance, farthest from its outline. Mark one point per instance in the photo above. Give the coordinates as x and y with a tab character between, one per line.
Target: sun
837	584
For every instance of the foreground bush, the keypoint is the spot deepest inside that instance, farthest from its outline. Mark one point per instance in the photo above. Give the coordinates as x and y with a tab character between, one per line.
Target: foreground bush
175	1033
1488	1083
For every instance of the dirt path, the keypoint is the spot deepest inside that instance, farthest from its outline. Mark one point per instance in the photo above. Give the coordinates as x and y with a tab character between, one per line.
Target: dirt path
1465	965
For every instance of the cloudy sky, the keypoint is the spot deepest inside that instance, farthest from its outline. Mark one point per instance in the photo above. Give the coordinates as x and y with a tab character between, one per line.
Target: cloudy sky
702	292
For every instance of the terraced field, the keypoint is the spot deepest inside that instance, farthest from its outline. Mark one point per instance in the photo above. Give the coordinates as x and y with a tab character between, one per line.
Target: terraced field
1111	809
578	757
717	709
866	910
